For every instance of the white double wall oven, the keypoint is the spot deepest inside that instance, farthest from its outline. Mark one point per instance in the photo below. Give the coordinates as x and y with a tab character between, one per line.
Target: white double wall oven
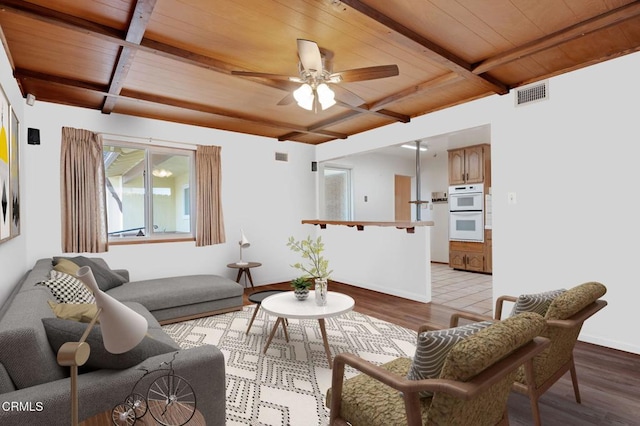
466	212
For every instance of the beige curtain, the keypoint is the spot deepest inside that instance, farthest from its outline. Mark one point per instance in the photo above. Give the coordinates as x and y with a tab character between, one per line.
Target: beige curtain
84	216
209	220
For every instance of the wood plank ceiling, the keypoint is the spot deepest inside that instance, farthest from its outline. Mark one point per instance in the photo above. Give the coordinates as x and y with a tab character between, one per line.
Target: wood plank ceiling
172	59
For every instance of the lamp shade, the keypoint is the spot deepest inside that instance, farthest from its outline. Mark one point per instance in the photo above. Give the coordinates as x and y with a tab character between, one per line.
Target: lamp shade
122	327
244	243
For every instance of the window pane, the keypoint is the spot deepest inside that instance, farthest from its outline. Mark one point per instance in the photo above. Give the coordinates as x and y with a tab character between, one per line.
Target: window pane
124	169
170	176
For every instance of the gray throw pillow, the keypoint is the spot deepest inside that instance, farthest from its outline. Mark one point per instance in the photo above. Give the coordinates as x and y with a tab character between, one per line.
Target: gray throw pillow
60	331
538	303
434	346
105	277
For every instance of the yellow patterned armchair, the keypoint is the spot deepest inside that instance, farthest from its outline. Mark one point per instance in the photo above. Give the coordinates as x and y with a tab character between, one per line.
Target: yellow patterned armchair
564	314
472	388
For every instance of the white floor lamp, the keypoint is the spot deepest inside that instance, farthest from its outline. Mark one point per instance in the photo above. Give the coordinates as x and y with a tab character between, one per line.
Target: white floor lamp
122	329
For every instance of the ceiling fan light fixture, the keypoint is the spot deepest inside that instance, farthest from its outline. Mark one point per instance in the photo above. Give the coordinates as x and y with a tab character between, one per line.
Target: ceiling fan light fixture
304	96
325	96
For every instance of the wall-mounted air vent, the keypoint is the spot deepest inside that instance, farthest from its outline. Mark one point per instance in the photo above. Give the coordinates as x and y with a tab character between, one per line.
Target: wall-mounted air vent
532	93
282	156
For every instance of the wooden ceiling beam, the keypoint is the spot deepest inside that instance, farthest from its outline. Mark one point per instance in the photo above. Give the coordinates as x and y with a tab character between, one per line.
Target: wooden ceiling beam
565	35
348	115
431	50
137	27
419	89
102	89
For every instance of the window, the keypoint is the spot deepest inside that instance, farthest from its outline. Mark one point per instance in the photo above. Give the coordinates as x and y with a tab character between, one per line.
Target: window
148	192
337	194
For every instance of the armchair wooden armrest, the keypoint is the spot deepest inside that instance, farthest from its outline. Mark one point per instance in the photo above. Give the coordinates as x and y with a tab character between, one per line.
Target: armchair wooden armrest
410	388
455	318
427	326
499	302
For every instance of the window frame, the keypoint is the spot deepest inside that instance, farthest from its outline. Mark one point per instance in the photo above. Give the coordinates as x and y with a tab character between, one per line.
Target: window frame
150	235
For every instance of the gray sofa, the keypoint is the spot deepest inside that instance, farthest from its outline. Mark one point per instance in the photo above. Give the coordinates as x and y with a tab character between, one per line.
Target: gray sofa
34	389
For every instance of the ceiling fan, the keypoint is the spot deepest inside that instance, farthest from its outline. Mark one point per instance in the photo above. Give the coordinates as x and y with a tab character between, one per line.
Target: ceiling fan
319	87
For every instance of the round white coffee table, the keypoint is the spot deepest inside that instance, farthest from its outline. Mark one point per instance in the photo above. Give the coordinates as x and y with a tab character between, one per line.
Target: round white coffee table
285	305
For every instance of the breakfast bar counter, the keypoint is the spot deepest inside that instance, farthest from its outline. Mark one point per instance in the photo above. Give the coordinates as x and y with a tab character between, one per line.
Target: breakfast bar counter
377	257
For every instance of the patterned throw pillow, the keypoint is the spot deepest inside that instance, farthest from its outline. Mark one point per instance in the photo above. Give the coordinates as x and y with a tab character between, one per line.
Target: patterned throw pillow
67	289
538	303
432	350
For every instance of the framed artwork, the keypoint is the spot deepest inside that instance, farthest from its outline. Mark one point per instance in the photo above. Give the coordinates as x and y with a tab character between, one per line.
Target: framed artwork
9	171
14	174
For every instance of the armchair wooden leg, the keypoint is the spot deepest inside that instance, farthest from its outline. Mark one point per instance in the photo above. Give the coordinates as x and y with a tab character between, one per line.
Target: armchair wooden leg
574	380
336	392
535	409
532	392
412	408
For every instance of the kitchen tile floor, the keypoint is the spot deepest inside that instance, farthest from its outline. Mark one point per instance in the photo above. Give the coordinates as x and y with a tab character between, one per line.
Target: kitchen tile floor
468	291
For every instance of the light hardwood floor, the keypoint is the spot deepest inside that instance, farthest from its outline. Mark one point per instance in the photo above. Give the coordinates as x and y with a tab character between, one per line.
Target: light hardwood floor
609	379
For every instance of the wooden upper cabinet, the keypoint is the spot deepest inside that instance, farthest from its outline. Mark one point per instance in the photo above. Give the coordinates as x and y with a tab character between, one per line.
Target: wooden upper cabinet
456	167
467	165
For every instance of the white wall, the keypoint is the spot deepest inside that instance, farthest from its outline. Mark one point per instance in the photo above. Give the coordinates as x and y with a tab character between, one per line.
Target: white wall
571	161
383	259
266	198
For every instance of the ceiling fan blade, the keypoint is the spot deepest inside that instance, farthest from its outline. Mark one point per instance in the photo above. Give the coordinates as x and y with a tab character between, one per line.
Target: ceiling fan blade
346	96
287	100
264	75
309	54
368	73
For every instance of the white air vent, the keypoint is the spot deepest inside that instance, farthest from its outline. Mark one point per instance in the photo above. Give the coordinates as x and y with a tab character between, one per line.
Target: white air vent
282	156
532	93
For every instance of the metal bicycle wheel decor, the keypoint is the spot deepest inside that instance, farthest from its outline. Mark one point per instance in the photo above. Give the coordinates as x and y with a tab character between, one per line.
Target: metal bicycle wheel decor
170	400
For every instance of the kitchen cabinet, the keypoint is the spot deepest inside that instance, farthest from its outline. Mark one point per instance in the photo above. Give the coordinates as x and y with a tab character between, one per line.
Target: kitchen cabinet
467	256
470	164
488	250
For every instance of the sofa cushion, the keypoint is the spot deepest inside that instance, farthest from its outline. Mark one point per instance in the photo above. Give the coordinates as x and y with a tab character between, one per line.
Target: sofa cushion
67	289
28	362
60	331
433	348
105	277
163	293
538	303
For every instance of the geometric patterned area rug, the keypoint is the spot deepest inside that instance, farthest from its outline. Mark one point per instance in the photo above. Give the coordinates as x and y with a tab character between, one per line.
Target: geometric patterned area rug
288	384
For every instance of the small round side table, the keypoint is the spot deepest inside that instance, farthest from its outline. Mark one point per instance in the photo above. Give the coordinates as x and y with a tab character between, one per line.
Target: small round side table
244	269
257	298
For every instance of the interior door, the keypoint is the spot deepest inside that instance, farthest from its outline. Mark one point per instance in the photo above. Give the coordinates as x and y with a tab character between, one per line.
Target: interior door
402	198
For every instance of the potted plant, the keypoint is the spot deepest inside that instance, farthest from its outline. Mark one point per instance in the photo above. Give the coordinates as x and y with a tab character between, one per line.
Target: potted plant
301	287
314	265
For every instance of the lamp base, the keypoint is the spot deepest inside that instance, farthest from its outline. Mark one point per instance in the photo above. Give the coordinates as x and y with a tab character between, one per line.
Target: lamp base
242	263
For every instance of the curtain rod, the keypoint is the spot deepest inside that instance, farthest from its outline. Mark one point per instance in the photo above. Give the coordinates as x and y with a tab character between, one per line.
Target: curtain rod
149	140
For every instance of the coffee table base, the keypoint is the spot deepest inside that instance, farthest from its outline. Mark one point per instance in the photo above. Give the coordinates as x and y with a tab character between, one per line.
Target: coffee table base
323	332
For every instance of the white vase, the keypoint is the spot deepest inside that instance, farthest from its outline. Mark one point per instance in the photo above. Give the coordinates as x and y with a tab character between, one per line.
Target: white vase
321	291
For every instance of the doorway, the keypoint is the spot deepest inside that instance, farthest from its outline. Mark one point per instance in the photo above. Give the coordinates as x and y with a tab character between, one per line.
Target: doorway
402	197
